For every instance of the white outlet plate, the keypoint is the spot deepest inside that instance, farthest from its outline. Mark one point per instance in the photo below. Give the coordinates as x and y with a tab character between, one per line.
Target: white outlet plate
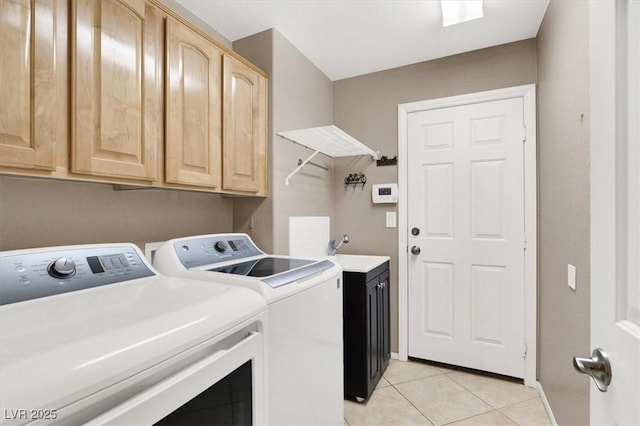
571	277
391	220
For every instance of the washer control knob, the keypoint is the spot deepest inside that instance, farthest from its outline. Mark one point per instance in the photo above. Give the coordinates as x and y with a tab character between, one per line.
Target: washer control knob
62	268
220	246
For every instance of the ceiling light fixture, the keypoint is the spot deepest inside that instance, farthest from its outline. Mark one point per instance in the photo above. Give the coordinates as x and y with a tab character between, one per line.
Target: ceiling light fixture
457	11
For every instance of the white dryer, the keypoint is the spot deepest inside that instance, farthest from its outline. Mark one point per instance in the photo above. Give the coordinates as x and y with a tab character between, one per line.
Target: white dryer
304	355
93	334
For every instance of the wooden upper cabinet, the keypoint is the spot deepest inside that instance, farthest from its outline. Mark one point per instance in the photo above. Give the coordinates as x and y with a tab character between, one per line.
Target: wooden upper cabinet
244	129
115	124
27	84
194	80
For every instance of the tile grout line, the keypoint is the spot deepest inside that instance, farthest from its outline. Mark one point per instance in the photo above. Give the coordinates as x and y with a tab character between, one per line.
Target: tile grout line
496	409
516	421
477	415
411	403
472	393
490	405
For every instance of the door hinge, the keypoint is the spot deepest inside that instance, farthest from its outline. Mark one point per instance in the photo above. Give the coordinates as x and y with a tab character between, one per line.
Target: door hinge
524	134
524	350
524	241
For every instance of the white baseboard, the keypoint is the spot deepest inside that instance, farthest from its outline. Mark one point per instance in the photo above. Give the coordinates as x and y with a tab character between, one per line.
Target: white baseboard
394	355
545	402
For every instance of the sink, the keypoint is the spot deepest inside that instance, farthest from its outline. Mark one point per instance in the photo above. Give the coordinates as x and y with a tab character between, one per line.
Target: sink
359	263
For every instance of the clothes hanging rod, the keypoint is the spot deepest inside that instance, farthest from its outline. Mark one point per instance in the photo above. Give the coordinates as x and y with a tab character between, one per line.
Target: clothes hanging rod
311	163
297	169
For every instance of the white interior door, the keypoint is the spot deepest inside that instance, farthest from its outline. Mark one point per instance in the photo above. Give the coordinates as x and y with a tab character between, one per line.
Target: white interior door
615	206
466	198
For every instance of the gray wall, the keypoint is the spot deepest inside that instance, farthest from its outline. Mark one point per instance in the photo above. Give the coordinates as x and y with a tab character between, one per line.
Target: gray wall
301	96
563	145
367	108
39	213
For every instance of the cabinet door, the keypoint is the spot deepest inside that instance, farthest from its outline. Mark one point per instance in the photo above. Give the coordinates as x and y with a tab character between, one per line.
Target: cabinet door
194	80
27	83
373	331
384	318
115	125
245	123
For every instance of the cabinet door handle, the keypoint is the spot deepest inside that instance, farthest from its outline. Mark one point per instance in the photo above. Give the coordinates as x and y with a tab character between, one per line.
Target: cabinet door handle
383	284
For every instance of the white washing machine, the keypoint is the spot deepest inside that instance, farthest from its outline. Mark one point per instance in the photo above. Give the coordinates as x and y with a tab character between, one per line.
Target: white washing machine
304	338
93	334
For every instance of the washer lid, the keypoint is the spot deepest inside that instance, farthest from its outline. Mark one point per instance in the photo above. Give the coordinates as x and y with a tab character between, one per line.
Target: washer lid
59	349
276	271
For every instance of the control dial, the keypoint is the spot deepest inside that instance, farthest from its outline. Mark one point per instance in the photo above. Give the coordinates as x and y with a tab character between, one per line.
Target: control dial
62	267
220	246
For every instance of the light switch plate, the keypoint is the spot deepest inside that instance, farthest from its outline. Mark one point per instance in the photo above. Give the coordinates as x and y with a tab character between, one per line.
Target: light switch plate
571	276
391	219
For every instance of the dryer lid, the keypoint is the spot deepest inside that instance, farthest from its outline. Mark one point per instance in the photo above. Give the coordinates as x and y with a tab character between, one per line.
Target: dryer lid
57	350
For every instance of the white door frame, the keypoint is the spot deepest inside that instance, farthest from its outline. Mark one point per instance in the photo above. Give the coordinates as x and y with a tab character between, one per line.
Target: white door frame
527	92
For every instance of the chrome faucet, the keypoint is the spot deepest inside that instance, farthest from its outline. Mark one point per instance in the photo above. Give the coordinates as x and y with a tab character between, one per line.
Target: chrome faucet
333	248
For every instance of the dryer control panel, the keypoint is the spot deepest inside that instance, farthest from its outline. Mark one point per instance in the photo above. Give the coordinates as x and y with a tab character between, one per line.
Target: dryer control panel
218	248
28	275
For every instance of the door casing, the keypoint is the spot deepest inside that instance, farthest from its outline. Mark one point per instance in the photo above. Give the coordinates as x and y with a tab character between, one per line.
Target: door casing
527	93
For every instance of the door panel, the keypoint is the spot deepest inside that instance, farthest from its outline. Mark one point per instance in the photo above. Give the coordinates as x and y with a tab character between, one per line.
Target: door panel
194	81
27	83
437	299
244	140
615	207
384	321
373	330
466	195
114	127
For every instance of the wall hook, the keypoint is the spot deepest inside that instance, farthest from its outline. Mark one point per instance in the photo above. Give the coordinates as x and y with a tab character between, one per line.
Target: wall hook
355	179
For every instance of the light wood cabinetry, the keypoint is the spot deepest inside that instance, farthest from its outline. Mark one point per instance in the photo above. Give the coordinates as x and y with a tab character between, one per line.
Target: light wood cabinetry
128	92
114	125
27	84
194	122
244	129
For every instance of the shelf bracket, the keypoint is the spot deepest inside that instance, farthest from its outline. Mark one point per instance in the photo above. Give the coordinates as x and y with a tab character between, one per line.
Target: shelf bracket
297	169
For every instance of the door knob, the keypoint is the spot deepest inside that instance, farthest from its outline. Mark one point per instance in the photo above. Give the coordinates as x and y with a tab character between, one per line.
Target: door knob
415	231
598	367
415	250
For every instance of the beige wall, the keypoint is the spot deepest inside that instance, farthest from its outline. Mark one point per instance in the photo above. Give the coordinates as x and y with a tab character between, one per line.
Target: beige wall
38	213
563	145
301	96
367	108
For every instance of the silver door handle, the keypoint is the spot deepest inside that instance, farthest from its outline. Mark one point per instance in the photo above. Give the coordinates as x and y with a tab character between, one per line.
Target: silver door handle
598	367
415	250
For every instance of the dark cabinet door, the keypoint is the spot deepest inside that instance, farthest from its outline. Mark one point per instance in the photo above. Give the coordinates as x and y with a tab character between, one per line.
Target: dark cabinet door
384	321
367	345
373	330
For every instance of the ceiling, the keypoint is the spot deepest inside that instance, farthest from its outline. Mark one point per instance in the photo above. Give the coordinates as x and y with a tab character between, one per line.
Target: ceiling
345	38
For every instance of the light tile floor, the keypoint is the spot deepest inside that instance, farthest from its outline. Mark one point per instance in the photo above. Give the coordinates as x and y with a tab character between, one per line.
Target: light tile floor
414	393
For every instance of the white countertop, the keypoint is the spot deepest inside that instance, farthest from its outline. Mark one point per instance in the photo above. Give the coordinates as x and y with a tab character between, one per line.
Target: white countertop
359	263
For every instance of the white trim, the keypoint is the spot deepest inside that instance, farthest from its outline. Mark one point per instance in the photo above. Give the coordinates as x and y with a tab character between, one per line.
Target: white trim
527	92
545	402
394	355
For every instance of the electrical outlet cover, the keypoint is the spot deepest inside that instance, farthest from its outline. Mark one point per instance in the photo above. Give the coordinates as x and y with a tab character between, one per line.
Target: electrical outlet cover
571	277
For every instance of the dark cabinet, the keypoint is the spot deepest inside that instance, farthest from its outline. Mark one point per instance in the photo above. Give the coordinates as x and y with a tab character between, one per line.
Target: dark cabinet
367	346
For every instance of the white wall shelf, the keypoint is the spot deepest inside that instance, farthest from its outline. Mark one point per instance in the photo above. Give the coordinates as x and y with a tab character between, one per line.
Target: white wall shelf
328	140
